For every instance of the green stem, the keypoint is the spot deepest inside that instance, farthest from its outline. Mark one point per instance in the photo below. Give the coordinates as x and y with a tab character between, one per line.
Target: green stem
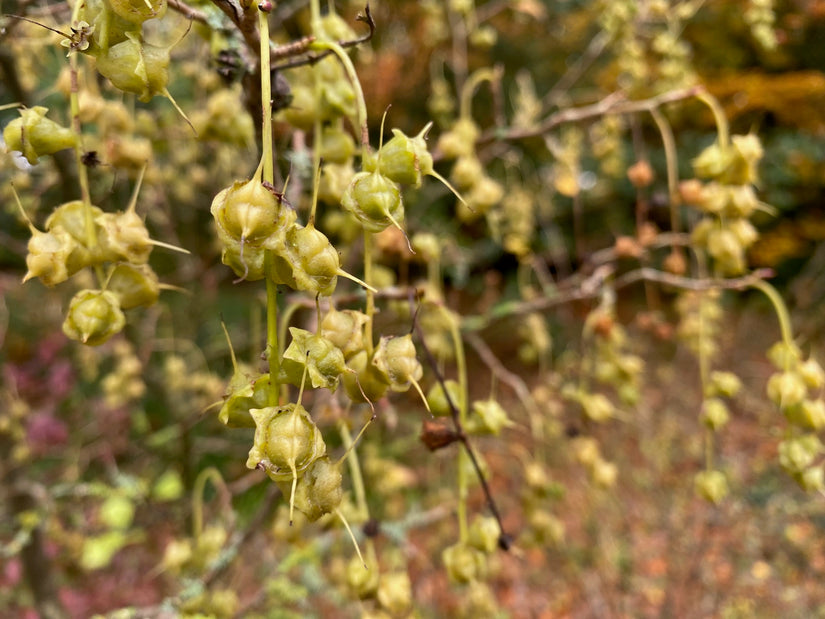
358	486
718	114
672	165
273	356
468	90
360	102
197	497
780	308
370	309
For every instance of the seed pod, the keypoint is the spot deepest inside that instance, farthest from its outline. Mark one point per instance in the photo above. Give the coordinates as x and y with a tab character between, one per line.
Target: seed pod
365	381
812	374
245	391
464	563
596	406
604	473
323	360
724	384
742	201
361	581
713	162
715	414
437	400
786	389
810	414
318	490
245	259
138	11
333	27
374	200
487	417
483	196
34	135
811	479
711	486
784	356
337	145
225	119
48	256
134	285
123	236
797	454
248	211
345	329
484	533
315	262
287	441
335	178
743	230
137	67
396	357
395	592
406	159
93	317
460	141
467	172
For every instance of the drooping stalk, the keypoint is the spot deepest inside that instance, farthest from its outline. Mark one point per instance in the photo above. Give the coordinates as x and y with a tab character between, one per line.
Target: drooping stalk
463	458
780	308
718	115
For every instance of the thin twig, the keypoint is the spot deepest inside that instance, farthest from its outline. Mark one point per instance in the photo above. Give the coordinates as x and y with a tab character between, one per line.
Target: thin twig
504	540
614	103
188	11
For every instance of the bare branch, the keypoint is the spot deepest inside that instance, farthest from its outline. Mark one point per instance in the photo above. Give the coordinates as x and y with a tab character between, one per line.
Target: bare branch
188	11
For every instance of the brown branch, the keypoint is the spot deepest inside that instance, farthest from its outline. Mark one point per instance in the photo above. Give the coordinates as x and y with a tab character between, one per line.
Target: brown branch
188	11
614	103
505	541
300	47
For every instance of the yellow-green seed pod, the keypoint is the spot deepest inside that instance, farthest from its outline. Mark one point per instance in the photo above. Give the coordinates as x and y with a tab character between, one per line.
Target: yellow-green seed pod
395	592
363	581
48	256
786	389
487	417
374	200
225	119
784	356
248	211
715	414
464	563
713	162
34	135
71	217
711	486
93	317
137	67
427	246
337	145
811	479
245	259
137	11
809	414
406	159
365	381
484	533
812	374
324	362
437	400
396	357
134	285
315	262
333	27
467	172
596	406
245	391
798	453
724	384
318	490
460	141
483	196
123	236
287	441
335	178
345	329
